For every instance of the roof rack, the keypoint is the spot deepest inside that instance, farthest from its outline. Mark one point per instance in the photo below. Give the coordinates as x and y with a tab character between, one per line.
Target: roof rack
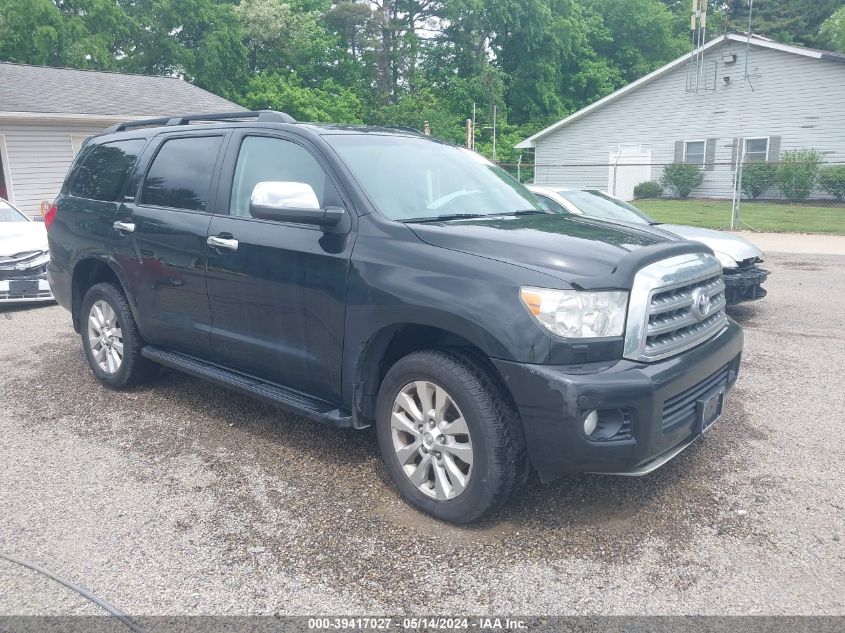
262	116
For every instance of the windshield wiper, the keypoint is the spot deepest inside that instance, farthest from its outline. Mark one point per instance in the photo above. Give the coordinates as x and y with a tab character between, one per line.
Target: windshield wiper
527	212
444	217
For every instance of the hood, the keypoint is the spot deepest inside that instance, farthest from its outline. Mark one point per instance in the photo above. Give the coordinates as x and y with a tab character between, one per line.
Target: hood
567	246
720	241
22	237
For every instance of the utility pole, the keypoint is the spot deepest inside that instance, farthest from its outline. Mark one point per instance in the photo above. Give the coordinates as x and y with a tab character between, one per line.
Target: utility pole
494	131
472	140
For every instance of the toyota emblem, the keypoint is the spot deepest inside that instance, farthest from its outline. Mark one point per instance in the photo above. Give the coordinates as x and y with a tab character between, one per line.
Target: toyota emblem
700	304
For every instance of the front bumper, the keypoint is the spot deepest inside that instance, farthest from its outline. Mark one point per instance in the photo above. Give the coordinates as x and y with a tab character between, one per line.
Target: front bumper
655	405
744	284
25	290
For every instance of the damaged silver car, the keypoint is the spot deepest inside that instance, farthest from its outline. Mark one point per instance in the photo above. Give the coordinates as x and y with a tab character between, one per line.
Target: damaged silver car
23	258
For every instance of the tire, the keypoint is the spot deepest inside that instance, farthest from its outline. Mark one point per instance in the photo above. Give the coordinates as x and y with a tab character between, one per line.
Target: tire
132	368
495	438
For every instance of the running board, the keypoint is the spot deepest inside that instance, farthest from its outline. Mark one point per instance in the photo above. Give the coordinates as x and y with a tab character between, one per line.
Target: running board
288	399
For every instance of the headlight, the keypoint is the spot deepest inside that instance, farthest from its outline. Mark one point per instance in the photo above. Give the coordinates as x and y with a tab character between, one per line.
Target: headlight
725	260
576	313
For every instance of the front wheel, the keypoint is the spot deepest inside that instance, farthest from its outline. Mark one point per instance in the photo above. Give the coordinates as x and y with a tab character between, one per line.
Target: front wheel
452	443
110	338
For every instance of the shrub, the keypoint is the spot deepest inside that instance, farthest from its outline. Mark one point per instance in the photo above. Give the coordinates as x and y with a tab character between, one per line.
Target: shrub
756	178
682	178
797	172
832	180
648	189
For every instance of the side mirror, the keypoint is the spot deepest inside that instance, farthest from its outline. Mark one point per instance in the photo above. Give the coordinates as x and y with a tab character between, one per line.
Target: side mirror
291	202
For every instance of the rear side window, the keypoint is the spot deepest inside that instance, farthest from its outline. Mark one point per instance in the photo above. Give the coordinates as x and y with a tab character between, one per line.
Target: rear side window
104	170
180	176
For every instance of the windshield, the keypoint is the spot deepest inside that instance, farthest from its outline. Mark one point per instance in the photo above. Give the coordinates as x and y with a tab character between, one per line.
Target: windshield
417	178
595	204
8	213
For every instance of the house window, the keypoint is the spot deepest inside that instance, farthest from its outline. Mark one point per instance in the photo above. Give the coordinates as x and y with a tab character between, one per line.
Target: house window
756	150
694	152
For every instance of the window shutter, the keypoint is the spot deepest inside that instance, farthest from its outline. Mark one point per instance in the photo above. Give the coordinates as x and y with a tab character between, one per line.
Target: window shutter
710	154
774	149
679	151
734	151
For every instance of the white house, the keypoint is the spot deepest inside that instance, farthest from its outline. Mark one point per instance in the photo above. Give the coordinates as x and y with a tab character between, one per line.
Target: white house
735	94
47	113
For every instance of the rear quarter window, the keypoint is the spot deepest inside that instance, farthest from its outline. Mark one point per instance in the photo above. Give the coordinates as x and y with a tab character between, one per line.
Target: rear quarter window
104	170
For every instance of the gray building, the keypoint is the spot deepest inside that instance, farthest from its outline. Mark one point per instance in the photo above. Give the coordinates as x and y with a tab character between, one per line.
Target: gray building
47	113
701	109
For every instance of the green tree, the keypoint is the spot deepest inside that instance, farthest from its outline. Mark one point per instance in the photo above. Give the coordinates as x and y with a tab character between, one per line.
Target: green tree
76	33
832	34
287	93
284	36
787	21
31	32
199	40
640	35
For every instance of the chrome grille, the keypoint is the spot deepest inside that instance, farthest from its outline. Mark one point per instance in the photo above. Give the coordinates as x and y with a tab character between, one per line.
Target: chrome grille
676	304
674	324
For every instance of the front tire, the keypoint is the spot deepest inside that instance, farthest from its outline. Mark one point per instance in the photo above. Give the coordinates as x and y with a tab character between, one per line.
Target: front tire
452	443
110	338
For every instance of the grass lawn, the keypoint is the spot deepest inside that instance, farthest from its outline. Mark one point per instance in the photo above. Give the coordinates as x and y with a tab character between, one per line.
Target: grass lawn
761	216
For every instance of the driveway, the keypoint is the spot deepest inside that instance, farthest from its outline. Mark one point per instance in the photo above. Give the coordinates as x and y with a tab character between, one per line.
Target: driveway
181	498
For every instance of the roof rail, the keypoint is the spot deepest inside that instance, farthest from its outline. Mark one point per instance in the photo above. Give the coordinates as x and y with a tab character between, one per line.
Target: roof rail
262	116
404	128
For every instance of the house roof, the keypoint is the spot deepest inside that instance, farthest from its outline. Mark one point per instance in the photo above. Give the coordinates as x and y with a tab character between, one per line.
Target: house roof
754	40
65	93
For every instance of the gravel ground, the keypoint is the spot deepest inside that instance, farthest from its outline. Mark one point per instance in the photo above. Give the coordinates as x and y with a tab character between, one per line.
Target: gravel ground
180	498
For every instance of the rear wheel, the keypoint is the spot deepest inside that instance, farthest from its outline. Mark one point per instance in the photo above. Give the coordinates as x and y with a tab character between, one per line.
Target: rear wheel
110	338
450	440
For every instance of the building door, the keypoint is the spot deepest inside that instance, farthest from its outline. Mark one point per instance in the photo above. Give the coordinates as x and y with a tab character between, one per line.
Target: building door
628	166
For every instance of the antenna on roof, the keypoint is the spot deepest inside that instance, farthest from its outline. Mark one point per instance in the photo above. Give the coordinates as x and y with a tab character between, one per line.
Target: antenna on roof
698	75
748	43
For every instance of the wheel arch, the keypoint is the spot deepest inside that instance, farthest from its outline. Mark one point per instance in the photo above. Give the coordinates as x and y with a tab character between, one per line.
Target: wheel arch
392	342
87	272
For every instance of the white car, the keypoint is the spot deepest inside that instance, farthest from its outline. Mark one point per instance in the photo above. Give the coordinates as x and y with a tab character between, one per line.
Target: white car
740	259
23	258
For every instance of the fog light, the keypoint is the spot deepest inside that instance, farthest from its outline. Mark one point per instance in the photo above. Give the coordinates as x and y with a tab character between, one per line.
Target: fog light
591	422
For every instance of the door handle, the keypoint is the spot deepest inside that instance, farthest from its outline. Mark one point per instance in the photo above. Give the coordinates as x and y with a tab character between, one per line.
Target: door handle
124	227
229	244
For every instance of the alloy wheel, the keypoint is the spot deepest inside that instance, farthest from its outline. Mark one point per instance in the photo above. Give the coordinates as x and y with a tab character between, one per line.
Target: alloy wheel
432	440
105	337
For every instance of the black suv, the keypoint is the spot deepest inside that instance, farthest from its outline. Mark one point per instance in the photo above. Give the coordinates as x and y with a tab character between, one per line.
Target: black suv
361	276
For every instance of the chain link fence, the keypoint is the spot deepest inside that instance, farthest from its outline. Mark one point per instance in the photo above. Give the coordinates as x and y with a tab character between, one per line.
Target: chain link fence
759	196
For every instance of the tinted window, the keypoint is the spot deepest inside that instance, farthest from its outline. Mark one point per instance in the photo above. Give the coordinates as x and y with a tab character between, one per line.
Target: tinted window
104	170
271	159
180	176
